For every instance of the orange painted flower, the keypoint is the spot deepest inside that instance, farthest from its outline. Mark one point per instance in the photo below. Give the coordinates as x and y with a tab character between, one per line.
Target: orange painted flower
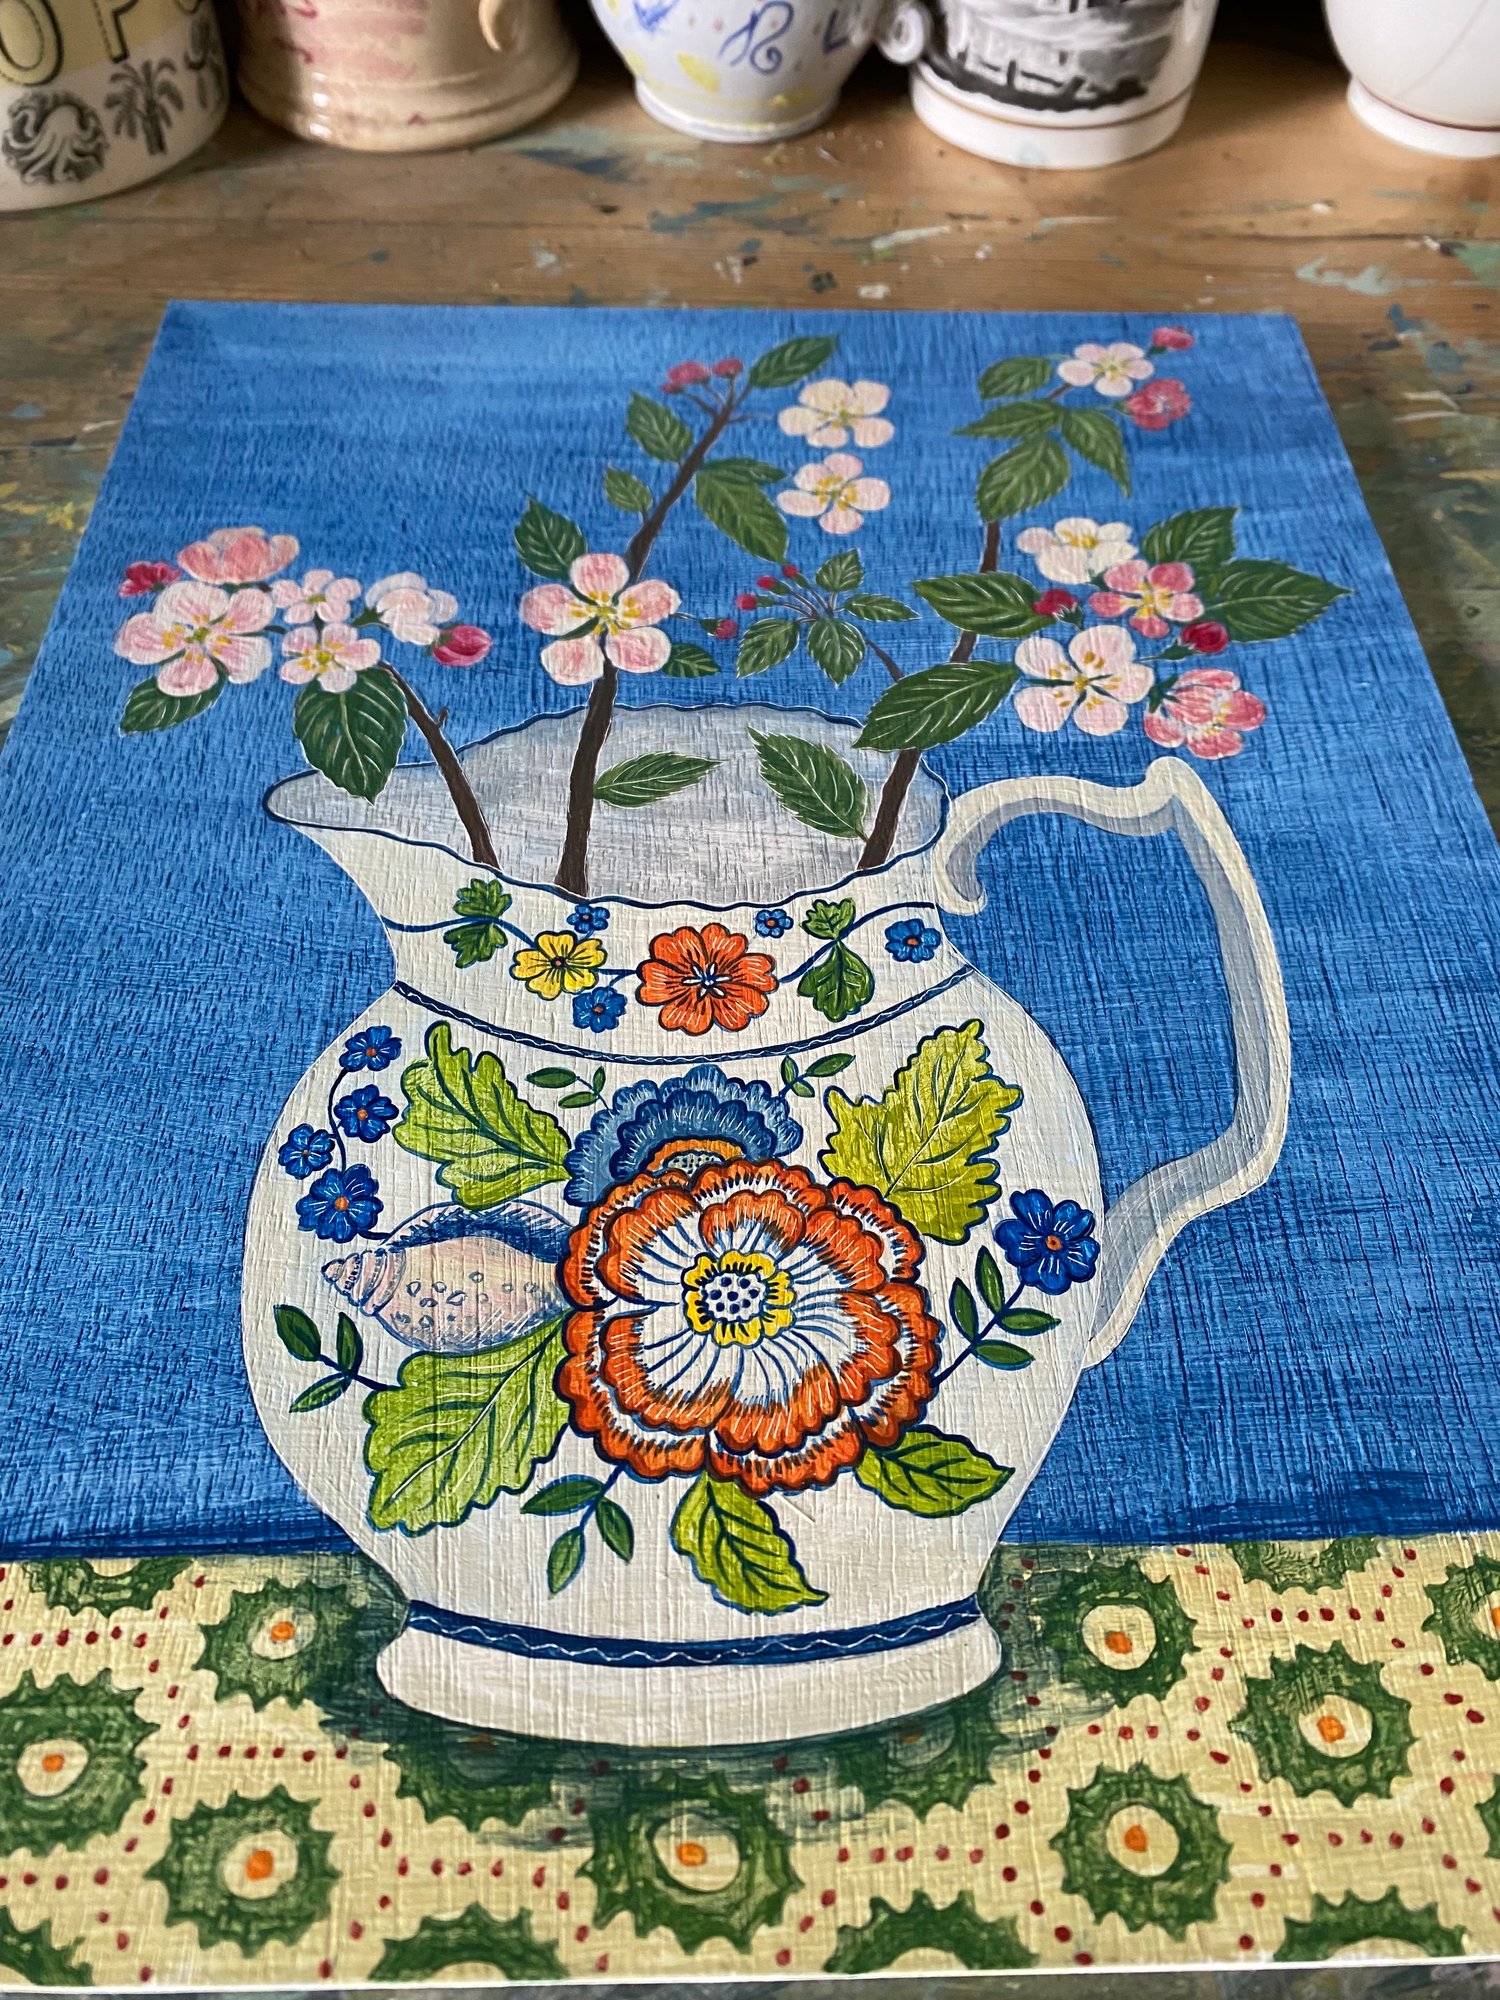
746	1320
706	979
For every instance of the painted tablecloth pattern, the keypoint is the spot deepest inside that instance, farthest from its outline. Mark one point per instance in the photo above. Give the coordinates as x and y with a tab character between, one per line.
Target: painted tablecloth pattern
1261	1752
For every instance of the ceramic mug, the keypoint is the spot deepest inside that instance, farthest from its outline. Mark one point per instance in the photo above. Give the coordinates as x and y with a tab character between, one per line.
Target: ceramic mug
403	76
96	97
1427	76
1060	83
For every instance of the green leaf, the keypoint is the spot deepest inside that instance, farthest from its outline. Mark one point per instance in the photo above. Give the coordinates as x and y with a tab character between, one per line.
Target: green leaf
938	704
843	571
788	1070
878	610
552	1079
838	985
1096	436
829	920
813	782
828	1066
353	738
929	1473
349	1349
327	1391
963	1309
687	662
461	1429
1203	538
147	708
759	471
991	1284
1265	600
1013	420
464	1112
564	1496
766	644
615	1526
1021	479
793	361
739	509
483	901
837	647
625	491
1017	377
655	428
298	1334
1003	1354
1023	1320
547	542
925	1143
644	780
483	897
801	1089
737	1548
576	1100
565	1560
991	602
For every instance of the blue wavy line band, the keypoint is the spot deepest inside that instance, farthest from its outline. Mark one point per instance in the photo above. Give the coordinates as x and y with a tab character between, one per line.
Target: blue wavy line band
774	1649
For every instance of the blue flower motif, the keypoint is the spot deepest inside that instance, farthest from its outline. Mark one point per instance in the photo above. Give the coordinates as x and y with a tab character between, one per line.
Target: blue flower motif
341	1204
1049	1242
306	1151
366	1114
371	1048
773	923
911	940
599	1010
588	918
687	1122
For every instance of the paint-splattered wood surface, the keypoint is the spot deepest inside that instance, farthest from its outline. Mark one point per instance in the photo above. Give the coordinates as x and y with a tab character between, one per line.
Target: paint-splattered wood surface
1273	198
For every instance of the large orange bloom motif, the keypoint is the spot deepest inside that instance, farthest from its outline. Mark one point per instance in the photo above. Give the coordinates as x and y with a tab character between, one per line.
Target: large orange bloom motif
705	979
746	1320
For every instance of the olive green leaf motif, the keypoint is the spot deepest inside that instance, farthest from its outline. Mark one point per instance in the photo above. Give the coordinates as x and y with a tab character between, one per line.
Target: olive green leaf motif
70	1762
34	1956
297	1640
473	1937
464	1112
251	1872
1144	1849
1489	1817
1323	1722
70	1584
690	1855
1114	1631
937	1758
928	1472
736	1547
926	1143
481	904
461	1429
957	1930
1303	1565
1462	1615
1332	1927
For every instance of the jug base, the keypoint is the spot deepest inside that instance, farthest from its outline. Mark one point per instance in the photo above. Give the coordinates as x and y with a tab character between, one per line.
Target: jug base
682	1707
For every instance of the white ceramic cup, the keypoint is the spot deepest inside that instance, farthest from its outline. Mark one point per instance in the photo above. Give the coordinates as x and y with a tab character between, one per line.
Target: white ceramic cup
1060	83
1426	76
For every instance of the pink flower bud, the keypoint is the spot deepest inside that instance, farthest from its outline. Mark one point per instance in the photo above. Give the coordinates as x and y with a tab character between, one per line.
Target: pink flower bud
685	375
1171	337
1053	603
746	600
729	367
143	579
462	646
1207	635
725	629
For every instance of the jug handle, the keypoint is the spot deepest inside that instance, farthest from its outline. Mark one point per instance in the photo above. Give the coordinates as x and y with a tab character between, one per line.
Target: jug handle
1136	1230
498	38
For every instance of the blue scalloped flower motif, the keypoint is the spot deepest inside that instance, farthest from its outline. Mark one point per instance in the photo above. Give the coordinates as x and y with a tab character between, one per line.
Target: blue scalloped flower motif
643	1118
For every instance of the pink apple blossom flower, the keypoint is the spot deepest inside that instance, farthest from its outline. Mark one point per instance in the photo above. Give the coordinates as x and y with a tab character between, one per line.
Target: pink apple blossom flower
238	555
144	579
1093	681
334	654
829	413
605	617
1077	549
462	646
410	609
320	594
1112	370
1159	405
1206	712
195	632
1149	594
834	495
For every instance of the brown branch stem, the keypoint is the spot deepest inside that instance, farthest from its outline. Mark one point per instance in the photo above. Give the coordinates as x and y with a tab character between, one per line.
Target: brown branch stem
465	804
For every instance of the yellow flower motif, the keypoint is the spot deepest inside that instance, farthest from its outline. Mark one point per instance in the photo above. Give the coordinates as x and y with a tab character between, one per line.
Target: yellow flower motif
739	1297
558	963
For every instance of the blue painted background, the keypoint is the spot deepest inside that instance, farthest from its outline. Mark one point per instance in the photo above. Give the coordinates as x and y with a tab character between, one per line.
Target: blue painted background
1318	1359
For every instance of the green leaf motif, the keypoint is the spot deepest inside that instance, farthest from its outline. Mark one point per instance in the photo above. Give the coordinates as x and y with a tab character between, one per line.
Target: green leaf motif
991	1284
978	1943
838	985
737	1548
926	1143
1019	376
644	780
461	1429
297	1333
813	782
1265	600
828	1066
738	508
564	1560
993	603
1203	538
625	491
1096	436
548	542
464	1112
766	644
1024	1320
929	1473
147	708
353	738
657	430
828	920
1021	479
482	903
564	1496
473	1937
616	1529
1003	1354
327	1391
963	1309
793	361
877	610
758	471
938	704
843	571
837	647
1012	420
687	662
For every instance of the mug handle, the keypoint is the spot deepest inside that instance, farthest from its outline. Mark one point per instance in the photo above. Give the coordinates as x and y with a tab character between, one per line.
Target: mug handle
490	12
903	31
1136	1230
